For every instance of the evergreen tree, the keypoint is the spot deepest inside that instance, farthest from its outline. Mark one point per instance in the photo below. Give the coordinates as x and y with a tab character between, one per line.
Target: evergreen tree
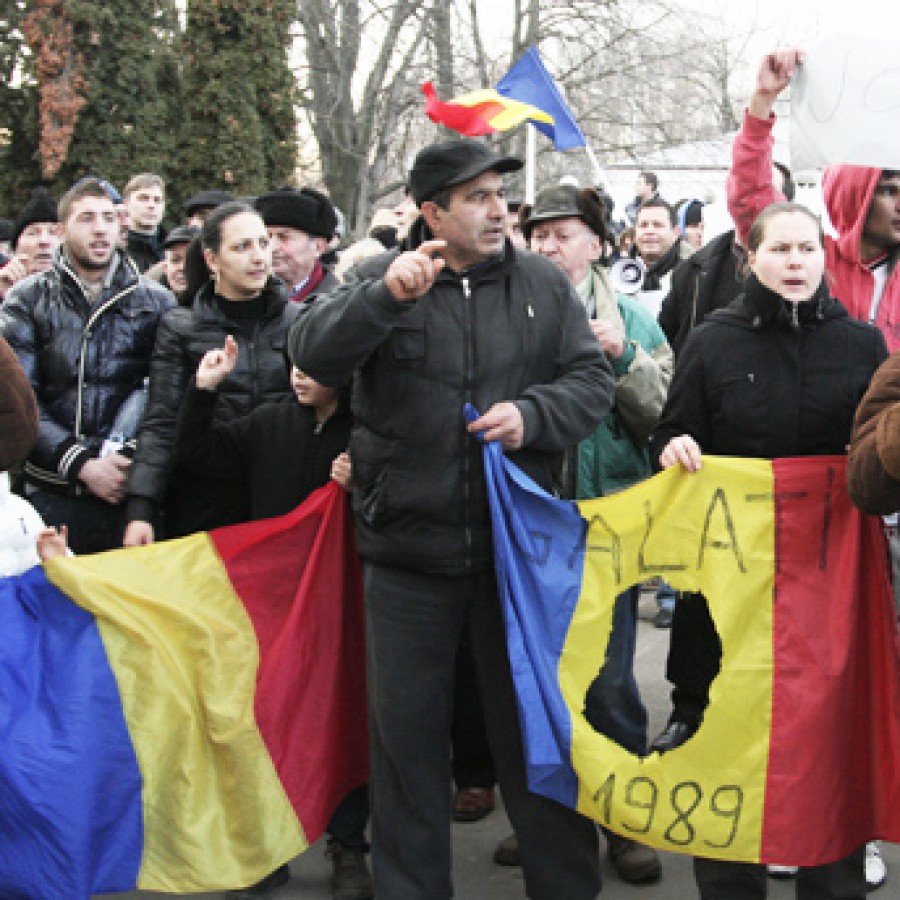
19	161
131	119
240	125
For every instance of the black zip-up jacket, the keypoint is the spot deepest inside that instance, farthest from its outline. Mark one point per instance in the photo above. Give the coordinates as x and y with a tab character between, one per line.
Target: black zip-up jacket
768	378
261	375
510	329
278	449
146	249
697	290
84	359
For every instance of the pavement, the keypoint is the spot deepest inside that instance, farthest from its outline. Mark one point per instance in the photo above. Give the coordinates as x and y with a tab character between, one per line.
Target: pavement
476	877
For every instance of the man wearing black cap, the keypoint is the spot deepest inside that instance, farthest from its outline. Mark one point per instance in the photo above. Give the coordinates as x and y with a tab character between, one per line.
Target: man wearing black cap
175	249
36	234
300	224
201	205
460	317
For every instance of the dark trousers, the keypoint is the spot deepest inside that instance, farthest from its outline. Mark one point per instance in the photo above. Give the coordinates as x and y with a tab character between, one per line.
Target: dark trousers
473	765
348	824
414	624
93	524
695	653
613	704
841	880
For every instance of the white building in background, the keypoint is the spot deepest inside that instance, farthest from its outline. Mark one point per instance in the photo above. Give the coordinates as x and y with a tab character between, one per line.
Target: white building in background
698	170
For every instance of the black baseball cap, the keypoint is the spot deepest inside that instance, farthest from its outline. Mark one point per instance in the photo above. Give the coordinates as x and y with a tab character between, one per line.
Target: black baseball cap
448	163
207	200
184	234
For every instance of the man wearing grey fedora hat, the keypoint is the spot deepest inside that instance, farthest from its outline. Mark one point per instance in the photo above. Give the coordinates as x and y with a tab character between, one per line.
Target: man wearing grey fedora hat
459	317
567	225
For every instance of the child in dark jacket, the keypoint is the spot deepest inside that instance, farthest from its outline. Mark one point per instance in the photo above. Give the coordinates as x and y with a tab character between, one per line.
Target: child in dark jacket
284	450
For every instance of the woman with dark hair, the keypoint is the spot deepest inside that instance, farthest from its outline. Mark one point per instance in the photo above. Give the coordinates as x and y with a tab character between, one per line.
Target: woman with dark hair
230	291
777	373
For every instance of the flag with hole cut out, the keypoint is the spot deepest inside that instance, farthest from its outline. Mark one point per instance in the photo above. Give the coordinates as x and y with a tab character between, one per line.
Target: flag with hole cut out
797	760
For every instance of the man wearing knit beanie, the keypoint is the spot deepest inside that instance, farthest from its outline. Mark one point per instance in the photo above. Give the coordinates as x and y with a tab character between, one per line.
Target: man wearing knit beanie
300	223
35	236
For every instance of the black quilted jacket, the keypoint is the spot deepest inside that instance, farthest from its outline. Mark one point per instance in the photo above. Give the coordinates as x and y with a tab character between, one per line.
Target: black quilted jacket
84	360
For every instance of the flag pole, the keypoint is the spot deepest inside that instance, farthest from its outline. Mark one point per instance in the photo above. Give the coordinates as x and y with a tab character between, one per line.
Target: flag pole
530	156
599	177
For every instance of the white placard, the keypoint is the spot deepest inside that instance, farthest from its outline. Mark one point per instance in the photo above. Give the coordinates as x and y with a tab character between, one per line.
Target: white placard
845	104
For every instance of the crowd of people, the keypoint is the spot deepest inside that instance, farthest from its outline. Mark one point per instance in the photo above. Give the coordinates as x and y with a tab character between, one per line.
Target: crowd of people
159	383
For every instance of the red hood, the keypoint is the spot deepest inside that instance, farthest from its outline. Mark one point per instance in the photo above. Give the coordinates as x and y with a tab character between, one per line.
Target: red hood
848	191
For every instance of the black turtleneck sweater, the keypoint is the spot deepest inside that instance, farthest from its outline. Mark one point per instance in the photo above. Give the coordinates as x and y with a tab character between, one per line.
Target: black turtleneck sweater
766	377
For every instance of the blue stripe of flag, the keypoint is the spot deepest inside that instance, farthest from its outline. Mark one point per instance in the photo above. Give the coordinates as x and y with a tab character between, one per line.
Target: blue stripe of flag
539	546
71	821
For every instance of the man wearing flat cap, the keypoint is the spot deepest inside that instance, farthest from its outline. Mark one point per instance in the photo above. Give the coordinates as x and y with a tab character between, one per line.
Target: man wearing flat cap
460	317
301	224
198	207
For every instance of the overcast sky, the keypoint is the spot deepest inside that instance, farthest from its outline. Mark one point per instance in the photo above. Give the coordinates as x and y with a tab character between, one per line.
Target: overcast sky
800	20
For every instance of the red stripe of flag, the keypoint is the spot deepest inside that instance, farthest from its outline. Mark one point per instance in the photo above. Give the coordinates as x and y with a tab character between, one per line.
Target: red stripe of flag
472	121
836	688
300	580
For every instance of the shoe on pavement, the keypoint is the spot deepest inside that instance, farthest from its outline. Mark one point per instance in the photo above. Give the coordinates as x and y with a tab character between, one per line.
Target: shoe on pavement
675	734
634	863
351	879
273	880
876	868
663	618
506	853
781	873
472	804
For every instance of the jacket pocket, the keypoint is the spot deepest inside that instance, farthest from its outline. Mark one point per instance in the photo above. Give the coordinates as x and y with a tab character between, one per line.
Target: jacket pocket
742	406
409	343
371	456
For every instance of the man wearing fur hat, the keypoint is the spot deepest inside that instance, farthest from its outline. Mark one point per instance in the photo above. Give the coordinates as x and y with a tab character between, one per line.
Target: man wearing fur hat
301	223
35	237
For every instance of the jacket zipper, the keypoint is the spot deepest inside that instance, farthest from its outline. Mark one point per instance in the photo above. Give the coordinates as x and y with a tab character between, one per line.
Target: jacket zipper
82	353
252	345
468	365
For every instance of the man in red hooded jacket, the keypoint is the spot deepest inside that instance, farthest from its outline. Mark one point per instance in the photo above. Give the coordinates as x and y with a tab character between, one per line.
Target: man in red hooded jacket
863	204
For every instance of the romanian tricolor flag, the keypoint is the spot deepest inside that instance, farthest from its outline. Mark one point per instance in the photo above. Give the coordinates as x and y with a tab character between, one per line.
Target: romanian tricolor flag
180	717
527	93
797	760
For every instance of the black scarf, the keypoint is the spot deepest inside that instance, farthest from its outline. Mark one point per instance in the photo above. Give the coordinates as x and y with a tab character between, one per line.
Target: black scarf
661	268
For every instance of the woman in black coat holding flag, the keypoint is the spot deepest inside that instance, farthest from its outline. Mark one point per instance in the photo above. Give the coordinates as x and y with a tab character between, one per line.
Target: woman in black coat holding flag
777	373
